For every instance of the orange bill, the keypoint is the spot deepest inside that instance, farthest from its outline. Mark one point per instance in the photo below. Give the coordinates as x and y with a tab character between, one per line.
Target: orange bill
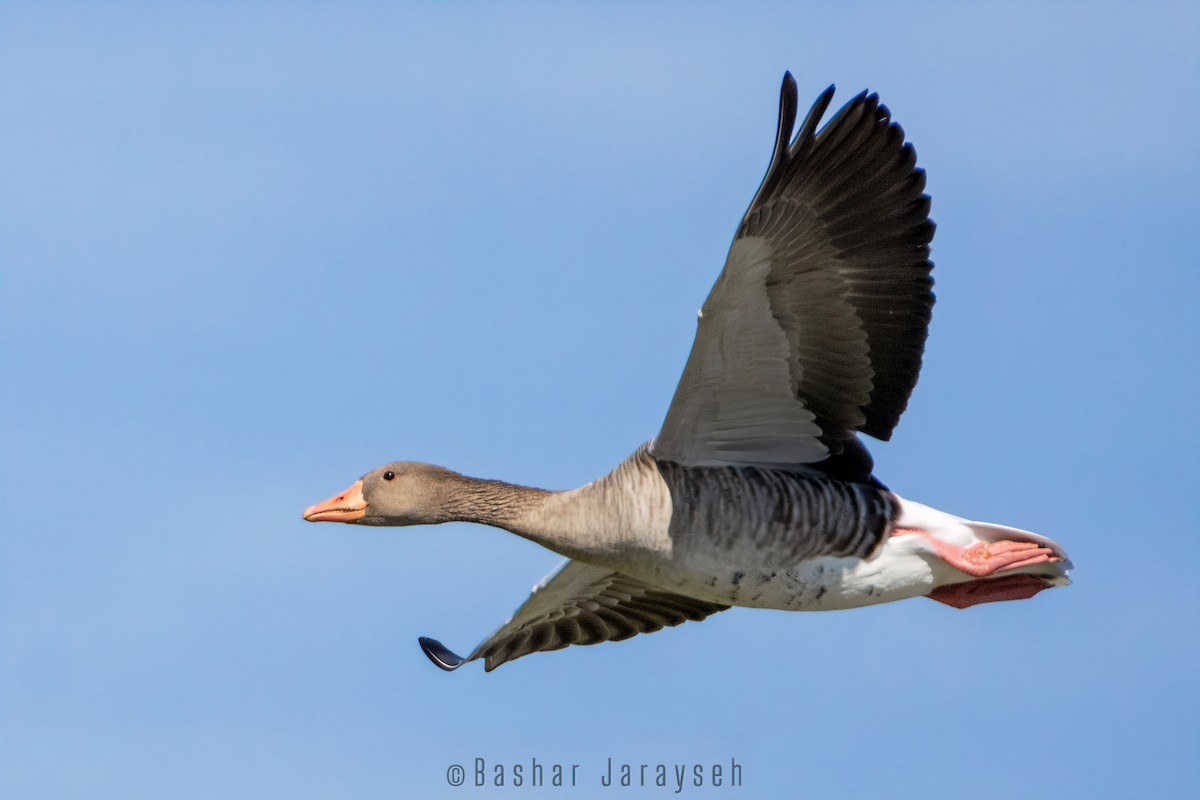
345	507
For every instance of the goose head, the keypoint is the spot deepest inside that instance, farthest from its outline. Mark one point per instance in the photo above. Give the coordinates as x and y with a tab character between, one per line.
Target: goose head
401	493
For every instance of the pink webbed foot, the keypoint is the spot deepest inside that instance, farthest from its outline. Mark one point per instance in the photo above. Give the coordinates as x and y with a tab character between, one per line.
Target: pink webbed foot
987	558
989	590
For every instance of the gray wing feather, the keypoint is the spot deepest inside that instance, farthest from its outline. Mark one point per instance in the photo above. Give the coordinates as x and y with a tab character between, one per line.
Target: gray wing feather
578	604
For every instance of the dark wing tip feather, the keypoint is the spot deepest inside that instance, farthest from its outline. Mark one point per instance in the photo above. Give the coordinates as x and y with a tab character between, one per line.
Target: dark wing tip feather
442	656
788	149
788	105
808	128
789	90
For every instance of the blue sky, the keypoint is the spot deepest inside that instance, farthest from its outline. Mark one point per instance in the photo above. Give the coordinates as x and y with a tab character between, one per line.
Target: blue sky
250	251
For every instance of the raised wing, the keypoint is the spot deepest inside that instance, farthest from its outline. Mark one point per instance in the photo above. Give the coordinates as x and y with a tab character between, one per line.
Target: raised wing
816	327
578	604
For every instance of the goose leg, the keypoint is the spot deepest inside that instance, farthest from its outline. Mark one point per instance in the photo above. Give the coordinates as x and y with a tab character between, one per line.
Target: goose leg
985	558
982	560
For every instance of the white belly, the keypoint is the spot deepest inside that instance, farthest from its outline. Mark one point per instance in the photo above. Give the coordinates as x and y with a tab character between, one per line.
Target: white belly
903	567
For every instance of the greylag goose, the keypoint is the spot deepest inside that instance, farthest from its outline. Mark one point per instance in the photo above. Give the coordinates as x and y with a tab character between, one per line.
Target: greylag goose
757	490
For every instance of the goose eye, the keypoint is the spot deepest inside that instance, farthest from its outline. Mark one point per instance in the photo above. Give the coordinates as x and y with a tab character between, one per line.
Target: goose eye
389	475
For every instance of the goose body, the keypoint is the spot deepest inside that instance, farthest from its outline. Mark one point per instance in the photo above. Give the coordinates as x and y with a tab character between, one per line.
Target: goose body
757	491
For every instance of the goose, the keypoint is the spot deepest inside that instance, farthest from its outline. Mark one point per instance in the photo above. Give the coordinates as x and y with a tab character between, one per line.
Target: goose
757	491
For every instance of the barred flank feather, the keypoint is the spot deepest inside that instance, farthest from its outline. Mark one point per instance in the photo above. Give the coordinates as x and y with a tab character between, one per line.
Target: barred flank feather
793	515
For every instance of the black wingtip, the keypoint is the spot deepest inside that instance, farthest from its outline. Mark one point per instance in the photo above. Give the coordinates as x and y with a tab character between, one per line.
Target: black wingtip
440	655
788	103
808	129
